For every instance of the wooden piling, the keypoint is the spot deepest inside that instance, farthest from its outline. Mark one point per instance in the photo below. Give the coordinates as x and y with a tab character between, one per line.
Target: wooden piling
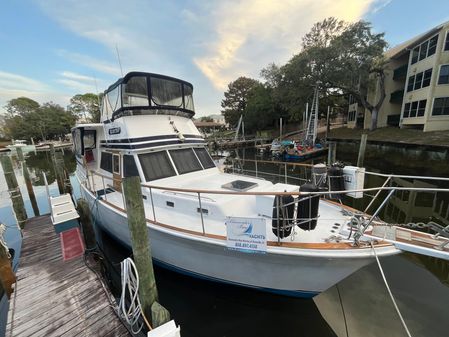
14	191
86	223
332	153
142	251
58	169
362	149
28	183
63	175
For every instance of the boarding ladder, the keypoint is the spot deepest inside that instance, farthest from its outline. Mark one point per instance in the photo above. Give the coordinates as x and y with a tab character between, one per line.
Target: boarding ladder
313	120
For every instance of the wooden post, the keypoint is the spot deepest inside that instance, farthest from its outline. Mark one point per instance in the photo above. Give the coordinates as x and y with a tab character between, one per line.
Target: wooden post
63	175
14	191
29	185
57	169
141	248
362	149
86	223
332	153
328	127
7	277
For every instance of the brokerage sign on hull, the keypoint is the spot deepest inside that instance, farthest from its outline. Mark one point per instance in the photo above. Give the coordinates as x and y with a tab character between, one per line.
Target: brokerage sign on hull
246	234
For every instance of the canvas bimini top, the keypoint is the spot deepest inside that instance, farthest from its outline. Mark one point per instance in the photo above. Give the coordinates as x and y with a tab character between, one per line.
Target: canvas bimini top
139	93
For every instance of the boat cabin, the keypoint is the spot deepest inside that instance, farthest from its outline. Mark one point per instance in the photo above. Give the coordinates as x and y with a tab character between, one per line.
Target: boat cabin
145	130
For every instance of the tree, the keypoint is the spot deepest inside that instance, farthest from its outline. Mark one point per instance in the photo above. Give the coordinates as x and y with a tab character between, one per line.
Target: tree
27	119
262	110
234	103
351	62
86	106
206	119
21	106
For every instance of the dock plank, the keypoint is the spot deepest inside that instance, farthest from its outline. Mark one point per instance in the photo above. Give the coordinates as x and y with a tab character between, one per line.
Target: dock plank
55	297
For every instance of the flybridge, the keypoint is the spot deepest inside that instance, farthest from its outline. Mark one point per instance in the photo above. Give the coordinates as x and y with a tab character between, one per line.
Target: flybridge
139	93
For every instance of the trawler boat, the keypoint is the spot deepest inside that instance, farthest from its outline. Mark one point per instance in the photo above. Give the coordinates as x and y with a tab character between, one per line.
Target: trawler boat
202	222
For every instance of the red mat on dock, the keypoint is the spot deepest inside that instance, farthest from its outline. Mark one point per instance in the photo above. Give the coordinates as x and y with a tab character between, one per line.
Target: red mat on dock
71	244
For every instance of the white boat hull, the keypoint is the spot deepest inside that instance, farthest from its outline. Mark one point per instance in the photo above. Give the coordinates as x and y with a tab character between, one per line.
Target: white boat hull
303	276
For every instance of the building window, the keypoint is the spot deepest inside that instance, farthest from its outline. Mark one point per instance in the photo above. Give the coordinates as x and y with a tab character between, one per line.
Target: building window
440	106
414	109
444	74
422	107
415	54
411	82
446	43
425	49
432	45
351	116
418	81
427	77
406	110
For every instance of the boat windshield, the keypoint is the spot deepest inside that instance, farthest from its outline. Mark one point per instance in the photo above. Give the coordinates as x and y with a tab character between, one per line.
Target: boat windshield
142	93
157	165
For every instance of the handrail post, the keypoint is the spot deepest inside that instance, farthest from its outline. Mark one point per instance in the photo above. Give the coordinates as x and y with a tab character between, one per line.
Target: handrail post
152	205
377	194
285	172
256	168
104	189
278	220
201	212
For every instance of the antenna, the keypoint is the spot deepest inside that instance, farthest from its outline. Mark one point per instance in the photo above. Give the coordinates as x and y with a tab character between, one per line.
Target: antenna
118	57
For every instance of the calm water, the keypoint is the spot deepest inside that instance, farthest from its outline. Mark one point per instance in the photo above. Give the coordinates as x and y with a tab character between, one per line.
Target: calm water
205	308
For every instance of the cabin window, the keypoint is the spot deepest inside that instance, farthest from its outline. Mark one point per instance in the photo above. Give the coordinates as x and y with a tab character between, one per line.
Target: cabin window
185	160
129	166
166	92
106	161
113	99
188	98
77	142
116	164
204	158
89	139
156	165
135	92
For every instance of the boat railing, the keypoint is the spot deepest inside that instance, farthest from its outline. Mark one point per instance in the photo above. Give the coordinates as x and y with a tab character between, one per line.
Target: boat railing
257	172
201	196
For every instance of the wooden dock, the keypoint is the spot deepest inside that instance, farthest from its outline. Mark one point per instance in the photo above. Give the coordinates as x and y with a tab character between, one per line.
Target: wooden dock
53	297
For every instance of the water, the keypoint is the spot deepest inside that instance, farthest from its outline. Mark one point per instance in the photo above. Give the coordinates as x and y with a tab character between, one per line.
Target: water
204	308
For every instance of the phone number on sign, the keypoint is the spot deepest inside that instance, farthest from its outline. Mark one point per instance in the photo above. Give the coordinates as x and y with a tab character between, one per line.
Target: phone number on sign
245	245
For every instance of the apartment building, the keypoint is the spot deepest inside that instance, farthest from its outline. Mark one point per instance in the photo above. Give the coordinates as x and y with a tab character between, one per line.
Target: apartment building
416	85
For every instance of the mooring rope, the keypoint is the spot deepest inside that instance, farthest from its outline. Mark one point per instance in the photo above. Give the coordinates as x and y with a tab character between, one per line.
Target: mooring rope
389	292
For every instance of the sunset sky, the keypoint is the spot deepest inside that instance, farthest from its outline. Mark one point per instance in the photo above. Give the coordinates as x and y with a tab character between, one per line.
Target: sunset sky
52	50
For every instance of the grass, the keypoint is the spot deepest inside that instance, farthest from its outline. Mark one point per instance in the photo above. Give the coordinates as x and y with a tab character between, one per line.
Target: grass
395	135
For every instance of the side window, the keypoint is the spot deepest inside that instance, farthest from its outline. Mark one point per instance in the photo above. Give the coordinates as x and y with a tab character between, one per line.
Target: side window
185	160
129	166
204	158
106	161
116	163
135	92
156	165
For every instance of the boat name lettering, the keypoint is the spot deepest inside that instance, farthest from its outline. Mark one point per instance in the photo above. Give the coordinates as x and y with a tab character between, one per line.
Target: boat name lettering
115	131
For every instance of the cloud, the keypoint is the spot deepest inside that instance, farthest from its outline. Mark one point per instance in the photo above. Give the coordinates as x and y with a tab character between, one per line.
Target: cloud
208	43
91	62
15	85
253	33
380	4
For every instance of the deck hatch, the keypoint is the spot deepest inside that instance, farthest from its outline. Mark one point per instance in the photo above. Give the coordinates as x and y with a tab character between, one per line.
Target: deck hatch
239	185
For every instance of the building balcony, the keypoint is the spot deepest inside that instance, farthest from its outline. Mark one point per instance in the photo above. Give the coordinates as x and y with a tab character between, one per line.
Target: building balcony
400	73
397	96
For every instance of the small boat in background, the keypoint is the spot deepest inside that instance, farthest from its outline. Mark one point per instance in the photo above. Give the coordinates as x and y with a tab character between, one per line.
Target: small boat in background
22	144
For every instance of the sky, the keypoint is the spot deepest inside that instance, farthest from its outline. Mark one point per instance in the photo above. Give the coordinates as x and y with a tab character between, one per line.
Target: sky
52	50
